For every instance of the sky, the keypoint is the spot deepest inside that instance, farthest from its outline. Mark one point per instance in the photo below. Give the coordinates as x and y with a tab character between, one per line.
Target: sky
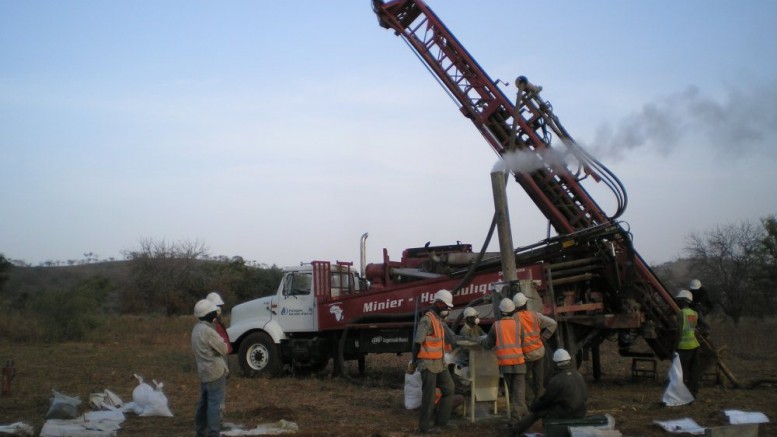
282	131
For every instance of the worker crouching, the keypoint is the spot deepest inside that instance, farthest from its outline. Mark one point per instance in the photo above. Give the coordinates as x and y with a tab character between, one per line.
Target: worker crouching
564	398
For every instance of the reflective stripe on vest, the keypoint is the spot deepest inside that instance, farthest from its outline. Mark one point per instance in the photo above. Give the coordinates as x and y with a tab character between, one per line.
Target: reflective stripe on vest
508	346
530	331
432	347
688	339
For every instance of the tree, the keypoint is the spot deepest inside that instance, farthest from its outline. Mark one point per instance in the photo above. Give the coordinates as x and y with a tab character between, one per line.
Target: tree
165	276
5	267
730	261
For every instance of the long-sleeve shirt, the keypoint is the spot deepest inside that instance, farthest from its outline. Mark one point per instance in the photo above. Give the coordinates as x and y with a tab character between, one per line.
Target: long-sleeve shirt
424	329
209	352
564	397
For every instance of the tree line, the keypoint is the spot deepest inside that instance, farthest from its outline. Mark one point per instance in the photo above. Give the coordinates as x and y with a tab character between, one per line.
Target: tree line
737	263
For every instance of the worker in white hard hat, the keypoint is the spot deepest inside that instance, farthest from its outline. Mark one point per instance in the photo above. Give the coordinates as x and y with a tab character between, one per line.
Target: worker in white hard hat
218	325
432	339
688	345
701	302
209	352
505	338
471	329
536	328
564	398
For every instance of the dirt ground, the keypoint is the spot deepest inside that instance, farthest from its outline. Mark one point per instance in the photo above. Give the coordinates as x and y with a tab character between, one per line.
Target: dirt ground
324	406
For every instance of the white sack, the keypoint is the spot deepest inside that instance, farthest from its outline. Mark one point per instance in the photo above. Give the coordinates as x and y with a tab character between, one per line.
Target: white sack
63	406
413	385
681	426
736	417
148	401
676	392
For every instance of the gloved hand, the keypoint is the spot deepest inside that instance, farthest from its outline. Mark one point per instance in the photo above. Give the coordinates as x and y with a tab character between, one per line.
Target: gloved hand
411	368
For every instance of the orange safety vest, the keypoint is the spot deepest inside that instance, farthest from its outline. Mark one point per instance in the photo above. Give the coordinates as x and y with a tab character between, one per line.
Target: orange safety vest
433	346
508	345
530	331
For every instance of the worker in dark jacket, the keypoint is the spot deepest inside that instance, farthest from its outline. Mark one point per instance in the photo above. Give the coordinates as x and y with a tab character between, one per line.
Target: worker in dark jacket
700	302
564	397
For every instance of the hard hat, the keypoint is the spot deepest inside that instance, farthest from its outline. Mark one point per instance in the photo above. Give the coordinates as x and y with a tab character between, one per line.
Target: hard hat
695	284
506	306
215	298
470	312
445	297
561	355
520	299
684	294
203	307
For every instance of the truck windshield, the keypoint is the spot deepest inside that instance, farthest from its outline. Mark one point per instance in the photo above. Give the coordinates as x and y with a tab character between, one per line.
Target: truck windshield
297	283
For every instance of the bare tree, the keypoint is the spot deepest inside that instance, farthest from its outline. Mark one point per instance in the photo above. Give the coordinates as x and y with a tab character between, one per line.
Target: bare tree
165	276
727	259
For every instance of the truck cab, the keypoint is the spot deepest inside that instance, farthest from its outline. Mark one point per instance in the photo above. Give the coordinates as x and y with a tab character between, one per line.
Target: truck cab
283	328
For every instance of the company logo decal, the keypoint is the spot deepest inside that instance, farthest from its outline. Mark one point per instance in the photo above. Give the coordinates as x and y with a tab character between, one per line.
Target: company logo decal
378	340
337	311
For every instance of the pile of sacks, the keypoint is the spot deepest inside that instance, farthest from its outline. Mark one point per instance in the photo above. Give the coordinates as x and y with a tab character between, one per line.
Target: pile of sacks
105	420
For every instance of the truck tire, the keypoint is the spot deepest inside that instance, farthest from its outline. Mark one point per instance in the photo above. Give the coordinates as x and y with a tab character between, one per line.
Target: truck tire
259	356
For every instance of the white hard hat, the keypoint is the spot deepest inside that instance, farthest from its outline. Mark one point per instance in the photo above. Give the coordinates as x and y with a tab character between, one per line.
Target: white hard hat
445	297
215	298
203	307
506	306
520	299
561	355
684	294
695	284
470	312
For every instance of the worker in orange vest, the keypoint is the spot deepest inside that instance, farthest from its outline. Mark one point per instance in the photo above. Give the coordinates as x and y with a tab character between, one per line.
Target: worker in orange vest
505	338
429	347
536	328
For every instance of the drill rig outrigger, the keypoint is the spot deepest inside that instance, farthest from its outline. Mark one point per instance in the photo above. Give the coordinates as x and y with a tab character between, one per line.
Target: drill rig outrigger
593	281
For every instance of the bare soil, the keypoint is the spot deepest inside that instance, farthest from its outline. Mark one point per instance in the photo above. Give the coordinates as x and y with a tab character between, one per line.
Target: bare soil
159	348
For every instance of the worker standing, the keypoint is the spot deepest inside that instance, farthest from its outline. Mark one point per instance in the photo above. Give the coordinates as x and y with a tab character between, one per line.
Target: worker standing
700	302
687	343
471	329
209	352
535	329
429	348
505	337
218	325
565	397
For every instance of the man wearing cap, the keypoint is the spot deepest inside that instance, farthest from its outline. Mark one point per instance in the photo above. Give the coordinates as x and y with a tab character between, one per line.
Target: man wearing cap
429	347
564	398
536	328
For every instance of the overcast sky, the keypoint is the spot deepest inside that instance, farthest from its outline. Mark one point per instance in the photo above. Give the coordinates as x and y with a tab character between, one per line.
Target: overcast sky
282	131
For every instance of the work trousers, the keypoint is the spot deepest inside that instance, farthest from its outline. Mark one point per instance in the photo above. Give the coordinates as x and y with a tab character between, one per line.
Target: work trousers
430	382
535	376
690	361
526	422
516	384
207	418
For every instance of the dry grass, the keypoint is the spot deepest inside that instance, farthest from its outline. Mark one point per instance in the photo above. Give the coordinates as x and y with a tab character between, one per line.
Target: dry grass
159	348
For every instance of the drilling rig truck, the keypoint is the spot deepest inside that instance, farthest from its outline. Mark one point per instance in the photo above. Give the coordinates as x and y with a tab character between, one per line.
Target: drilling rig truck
588	277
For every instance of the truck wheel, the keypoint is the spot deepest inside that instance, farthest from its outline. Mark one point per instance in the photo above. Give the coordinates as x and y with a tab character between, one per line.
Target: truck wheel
259	356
